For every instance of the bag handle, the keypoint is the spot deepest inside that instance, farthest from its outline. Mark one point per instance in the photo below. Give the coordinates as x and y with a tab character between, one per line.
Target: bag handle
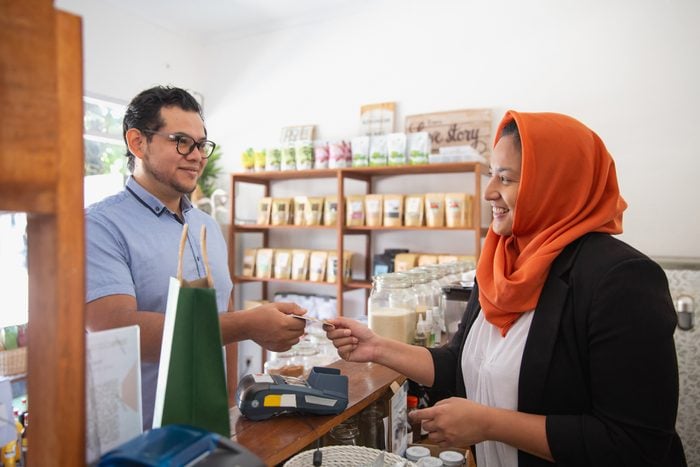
205	256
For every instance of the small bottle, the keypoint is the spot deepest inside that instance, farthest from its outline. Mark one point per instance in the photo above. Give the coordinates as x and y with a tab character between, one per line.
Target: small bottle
429	325
421	338
414	425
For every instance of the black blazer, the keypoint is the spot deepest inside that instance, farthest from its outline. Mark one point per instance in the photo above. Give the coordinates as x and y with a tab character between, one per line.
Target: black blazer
599	361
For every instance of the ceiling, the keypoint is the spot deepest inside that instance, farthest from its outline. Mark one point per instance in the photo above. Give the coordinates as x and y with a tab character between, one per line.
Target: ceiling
206	20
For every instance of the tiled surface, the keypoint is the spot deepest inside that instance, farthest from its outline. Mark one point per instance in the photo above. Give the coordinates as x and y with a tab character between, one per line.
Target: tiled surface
687	282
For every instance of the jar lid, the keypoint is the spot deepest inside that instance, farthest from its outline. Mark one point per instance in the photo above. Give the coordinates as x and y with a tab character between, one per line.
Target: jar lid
414	453
392	279
452	458
429	462
418	276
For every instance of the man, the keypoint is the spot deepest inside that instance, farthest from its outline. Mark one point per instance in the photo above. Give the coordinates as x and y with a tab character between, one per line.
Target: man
133	237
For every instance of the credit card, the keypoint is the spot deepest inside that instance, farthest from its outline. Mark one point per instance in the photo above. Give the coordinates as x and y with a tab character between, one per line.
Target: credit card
315	320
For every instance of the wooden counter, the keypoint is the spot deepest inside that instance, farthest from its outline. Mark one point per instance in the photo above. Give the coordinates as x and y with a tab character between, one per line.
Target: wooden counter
279	438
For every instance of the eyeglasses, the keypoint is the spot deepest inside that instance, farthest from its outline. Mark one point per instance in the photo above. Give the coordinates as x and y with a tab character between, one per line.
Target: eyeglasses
186	144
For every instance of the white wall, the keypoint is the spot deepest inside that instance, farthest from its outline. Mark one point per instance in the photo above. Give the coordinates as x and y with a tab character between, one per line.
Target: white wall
629	69
123	54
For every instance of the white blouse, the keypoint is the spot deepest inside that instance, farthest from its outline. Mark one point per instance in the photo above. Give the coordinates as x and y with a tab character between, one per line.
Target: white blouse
491	368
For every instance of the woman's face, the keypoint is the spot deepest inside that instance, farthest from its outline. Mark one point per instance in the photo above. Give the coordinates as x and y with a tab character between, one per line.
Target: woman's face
502	188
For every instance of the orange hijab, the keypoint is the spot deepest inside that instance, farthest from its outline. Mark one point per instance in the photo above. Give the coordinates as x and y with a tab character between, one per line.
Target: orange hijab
568	187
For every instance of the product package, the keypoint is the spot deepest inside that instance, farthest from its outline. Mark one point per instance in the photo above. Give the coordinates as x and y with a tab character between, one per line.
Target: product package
413	210
404	262
378	151
332	266
300	205
355	211
289	161
393	210
304	154
273	159
455	209
419	147
337	155
360	151
280	211
320	154
424	260
317	265
248	160
263	263
330	210
264	207
446	259
300	264
435	209
282	264
249	262
396	143
373	210
260	161
313	211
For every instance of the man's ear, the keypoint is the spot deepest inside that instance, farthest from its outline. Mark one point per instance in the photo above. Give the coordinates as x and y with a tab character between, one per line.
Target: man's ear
136	141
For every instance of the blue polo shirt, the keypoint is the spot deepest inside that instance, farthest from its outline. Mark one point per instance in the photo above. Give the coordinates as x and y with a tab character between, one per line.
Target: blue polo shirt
132	249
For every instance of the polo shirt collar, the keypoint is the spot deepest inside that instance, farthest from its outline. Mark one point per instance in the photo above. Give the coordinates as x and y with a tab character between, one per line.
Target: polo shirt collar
150	201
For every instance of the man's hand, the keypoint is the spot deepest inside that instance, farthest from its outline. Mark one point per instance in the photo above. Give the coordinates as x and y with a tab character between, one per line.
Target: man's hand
271	327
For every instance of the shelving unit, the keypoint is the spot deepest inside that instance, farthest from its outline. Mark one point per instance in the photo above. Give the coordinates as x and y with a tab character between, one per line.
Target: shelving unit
41	173
368	175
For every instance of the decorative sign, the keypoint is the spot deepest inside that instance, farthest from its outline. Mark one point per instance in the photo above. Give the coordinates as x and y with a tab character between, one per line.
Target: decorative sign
294	133
455	128
377	119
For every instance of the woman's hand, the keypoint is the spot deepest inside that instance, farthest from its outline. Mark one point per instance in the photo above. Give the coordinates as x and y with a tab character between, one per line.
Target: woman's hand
355	341
455	422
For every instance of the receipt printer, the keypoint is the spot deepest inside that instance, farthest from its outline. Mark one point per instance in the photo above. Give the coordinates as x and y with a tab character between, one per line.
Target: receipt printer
178	445
324	392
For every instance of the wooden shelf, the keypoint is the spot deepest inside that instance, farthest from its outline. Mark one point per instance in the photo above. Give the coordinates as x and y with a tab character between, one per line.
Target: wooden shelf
264	228
403	227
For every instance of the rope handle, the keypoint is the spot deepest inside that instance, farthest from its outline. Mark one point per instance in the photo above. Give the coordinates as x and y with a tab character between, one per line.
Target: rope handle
205	256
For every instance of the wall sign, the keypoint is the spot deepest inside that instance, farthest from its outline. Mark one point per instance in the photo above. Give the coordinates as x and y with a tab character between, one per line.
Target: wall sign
294	133
377	119
455	128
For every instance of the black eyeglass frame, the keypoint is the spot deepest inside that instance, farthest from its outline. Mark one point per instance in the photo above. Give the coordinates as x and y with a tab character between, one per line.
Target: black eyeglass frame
177	138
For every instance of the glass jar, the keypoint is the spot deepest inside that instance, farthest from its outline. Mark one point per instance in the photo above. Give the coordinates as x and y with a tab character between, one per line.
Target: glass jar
433	271
391	307
425	294
344	434
372	427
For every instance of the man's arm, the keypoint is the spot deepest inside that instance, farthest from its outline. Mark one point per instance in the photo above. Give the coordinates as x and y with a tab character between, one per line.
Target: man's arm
268	325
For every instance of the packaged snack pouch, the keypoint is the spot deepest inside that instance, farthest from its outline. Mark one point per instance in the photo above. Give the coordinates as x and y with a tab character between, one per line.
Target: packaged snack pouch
360	151
248	160
419	147
300	206
263	263
313	210
396	144
424	260
413	211
355	210
304	154
280	211
320	154
378	151
249	262
259	161
336	155
330	210
393	210
317	265
300	264
404	262
264	208
289	161
435	209
455	204
273	159
332	267
373	210
283	264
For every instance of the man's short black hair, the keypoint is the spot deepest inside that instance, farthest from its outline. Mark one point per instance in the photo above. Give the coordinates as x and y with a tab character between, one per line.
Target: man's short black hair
143	111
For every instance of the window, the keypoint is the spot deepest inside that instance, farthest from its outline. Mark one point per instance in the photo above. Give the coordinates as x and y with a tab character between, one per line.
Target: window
105	163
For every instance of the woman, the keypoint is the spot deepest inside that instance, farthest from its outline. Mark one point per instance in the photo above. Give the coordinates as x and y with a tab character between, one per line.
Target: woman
565	353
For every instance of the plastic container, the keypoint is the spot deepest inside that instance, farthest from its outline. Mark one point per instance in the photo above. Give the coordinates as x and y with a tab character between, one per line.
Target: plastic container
391	307
415	453
452	458
429	461
412	404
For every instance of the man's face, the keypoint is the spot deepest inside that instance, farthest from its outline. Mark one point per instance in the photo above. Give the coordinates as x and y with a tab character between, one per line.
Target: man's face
161	161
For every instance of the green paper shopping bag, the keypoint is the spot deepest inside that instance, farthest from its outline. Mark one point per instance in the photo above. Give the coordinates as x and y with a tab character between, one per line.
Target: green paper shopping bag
191	385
